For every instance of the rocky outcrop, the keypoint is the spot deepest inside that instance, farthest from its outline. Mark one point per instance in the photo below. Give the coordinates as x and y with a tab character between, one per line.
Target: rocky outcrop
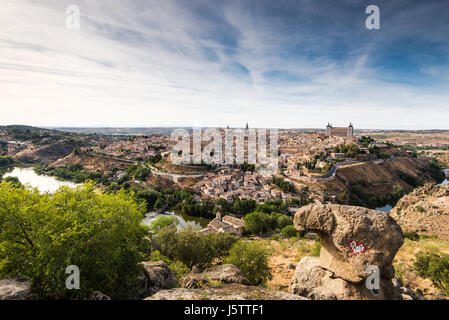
195	281
425	210
13	289
157	276
352	239
225	273
312	281
224	292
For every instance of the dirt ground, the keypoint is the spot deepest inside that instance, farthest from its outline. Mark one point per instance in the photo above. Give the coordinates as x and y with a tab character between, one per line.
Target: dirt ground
286	254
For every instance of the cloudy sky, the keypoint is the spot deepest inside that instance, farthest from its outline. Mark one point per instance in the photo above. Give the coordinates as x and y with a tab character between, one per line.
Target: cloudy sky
286	64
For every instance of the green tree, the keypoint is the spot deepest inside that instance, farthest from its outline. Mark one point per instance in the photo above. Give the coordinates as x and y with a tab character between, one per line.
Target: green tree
289	231
6	161
187	246
257	222
149	196
260	222
220	244
42	234
13	180
163	222
435	267
191	248
251	258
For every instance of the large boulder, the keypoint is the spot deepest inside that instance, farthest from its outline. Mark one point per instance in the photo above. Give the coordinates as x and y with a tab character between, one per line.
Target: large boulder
352	238
195	281
158	276
225	273
232	291
312	281
13	289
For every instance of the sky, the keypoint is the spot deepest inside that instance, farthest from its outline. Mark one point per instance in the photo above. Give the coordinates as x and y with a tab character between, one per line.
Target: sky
274	64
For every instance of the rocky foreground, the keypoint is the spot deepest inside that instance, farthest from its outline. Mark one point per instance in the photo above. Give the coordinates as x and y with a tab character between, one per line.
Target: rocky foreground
425	210
355	242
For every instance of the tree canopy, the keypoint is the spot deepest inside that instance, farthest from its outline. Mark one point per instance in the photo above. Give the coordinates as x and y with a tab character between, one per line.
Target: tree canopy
100	233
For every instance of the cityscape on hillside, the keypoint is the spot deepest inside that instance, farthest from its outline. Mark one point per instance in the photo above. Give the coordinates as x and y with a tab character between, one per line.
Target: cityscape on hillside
232	151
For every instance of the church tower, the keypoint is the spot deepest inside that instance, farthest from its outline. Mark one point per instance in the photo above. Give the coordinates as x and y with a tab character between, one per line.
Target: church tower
350	130
328	129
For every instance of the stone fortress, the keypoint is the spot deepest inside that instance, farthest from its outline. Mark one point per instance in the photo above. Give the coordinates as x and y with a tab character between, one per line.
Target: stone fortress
340	131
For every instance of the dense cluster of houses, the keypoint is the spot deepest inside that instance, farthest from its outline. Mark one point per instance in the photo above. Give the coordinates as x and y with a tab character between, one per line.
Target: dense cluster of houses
233	182
135	148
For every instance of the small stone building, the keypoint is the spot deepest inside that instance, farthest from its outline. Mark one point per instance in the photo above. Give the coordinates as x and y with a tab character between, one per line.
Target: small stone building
229	224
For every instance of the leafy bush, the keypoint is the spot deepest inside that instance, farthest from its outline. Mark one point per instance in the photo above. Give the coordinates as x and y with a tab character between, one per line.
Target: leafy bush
13	180
435	267
42	234
150	198
6	161
244	206
350	150
260	222
289	232
139	172
163	222
179	269
220	244
191	248
276	237
251	258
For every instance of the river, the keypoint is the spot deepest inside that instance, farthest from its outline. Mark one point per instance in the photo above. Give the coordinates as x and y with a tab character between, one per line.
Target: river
41	182
50	184
184	220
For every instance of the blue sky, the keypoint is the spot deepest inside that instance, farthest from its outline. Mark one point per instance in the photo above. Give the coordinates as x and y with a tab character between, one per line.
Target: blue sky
286	64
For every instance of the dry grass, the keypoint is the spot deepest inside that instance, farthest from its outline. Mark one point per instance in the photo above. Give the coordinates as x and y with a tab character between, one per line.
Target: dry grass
405	257
286	254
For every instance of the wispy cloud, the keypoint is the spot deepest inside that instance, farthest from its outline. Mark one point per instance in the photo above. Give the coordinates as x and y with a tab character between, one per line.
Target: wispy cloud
213	63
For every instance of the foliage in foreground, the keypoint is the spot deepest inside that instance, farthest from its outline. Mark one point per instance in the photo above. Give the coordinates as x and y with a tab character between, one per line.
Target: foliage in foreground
435	267
191	248
260	222
251	258
42	234
179	269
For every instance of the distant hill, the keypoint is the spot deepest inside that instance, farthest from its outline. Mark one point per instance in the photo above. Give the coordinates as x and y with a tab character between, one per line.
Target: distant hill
118	131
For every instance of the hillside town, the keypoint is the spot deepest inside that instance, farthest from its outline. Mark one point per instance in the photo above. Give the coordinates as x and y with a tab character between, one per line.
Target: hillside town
317	169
